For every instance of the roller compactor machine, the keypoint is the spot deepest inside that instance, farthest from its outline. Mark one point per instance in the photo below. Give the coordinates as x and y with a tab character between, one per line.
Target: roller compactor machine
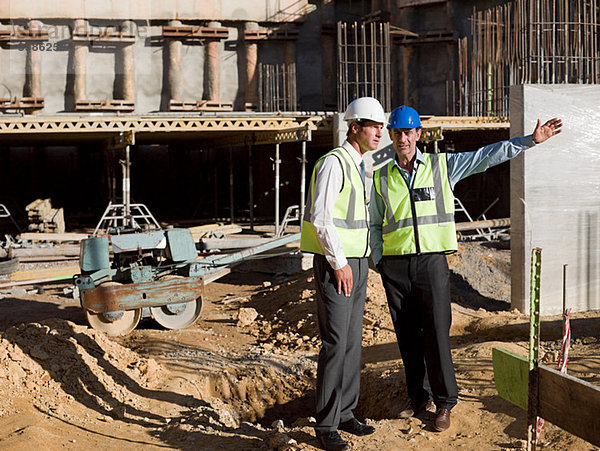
152	274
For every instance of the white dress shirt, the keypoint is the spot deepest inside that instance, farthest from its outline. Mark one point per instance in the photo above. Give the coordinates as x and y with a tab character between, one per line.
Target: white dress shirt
328	183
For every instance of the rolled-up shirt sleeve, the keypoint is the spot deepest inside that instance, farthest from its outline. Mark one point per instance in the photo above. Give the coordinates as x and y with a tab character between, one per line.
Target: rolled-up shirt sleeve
328	184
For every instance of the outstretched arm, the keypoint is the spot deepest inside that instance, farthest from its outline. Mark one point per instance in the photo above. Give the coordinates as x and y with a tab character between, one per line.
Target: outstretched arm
548	130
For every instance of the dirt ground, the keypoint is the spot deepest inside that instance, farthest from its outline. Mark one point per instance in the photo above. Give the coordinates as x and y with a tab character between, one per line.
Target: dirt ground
243	376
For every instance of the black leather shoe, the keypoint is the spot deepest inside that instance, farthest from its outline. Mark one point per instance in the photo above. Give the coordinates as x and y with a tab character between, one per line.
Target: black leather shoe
331	441
356	427
415	408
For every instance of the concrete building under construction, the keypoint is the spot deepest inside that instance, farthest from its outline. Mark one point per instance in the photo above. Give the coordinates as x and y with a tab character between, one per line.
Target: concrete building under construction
212	90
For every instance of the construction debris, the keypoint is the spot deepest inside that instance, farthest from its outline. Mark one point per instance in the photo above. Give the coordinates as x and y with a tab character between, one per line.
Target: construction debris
43	218
55	237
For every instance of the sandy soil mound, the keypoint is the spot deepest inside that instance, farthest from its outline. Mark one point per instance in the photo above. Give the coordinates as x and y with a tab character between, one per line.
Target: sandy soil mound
60	361
243	376
289	315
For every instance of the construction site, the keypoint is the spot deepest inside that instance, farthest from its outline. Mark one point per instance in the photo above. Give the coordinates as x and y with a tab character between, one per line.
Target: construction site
155	160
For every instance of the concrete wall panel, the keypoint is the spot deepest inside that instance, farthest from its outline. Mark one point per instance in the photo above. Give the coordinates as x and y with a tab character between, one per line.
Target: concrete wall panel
255	10
192	65
555	197
229	70
12	64
54	80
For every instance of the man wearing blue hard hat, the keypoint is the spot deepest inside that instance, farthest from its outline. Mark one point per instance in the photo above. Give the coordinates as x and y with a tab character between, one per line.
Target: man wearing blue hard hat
412	229
335	228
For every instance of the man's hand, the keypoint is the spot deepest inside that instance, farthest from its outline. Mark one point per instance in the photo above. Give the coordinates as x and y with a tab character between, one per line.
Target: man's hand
343	276
548	130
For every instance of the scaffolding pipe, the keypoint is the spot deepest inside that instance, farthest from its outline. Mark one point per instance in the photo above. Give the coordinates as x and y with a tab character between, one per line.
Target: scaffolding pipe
126	187
231	195
277	164
250	187
302	181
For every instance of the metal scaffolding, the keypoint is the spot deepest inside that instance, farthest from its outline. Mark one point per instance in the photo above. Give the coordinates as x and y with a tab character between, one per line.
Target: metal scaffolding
364	67
525	41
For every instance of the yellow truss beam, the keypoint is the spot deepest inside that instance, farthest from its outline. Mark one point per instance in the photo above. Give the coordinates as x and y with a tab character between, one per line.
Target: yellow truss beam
156	124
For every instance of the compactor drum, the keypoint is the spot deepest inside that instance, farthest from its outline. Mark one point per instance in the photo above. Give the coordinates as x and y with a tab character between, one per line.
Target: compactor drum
152	273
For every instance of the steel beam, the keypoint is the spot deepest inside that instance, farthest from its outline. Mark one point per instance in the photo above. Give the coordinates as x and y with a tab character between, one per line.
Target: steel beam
157	123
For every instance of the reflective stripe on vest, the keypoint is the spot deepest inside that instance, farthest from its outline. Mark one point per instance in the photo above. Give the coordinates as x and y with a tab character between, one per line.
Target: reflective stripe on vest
416	236
350	215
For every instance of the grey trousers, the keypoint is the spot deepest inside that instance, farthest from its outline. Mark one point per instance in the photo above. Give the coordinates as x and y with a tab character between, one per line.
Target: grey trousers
340	327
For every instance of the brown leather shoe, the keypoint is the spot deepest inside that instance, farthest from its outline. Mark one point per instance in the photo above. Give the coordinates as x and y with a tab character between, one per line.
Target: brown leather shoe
415	409
442	420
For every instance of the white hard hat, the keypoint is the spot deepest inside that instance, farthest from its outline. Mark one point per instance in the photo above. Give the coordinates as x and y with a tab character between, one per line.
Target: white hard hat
365	108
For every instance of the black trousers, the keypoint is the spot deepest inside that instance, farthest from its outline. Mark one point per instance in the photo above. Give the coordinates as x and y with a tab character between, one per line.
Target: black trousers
418	295
340	327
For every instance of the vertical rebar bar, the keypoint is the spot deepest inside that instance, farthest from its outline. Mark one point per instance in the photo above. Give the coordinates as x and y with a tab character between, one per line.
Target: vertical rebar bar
539	41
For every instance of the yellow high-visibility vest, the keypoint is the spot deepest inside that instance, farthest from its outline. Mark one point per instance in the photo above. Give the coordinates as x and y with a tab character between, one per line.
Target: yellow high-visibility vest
350	212
420	219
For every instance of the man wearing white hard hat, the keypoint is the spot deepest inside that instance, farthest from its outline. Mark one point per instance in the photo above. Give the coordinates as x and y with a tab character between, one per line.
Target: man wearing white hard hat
335	228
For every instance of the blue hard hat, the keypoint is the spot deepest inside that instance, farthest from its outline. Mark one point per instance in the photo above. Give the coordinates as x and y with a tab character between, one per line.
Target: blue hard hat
404	117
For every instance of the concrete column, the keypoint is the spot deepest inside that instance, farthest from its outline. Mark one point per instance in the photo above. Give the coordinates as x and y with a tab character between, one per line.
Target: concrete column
80	52
211	73
125	65
174	74
33	65
251	67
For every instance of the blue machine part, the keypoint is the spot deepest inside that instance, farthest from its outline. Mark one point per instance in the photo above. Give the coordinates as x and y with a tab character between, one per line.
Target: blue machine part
181	246
141	274
93	254
135	241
